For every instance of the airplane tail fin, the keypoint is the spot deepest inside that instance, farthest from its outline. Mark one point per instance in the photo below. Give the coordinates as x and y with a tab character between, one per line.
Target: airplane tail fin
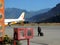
22	16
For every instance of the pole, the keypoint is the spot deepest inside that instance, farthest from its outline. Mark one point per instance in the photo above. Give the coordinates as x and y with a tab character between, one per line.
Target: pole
2	25
14	42
28	43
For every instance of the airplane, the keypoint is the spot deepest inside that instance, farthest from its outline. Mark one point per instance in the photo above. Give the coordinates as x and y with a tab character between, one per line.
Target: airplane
14	21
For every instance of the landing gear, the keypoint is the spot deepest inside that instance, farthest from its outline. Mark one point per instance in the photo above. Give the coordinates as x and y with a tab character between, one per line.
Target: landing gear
9	24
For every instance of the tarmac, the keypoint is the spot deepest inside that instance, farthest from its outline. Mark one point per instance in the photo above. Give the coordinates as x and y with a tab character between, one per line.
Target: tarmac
51	35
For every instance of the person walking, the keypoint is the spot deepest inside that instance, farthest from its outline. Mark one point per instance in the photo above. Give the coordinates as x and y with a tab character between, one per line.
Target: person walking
40	33
39	30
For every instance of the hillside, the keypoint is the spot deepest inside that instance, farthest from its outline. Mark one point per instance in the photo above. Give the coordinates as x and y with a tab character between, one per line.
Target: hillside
52	15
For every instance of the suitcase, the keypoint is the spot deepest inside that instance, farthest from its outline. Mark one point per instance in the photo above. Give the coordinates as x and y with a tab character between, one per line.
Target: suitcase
41	34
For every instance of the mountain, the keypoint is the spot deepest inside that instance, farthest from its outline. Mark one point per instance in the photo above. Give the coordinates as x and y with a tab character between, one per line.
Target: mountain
52	15
33	13
12	13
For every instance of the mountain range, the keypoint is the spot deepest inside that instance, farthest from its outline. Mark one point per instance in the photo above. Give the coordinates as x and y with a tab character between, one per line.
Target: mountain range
12	13
51	15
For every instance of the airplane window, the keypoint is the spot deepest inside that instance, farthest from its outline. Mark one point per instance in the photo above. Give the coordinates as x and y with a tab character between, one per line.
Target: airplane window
0	27
0	4
29	33
0	16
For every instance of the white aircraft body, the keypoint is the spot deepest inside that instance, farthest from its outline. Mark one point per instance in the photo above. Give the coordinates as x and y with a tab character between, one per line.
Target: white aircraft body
21	18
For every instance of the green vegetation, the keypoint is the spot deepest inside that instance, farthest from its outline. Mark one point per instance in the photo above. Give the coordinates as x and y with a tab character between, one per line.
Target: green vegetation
0	4
0	27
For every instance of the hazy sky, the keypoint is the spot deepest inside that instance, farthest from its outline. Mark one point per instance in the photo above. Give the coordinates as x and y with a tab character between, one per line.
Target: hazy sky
31	5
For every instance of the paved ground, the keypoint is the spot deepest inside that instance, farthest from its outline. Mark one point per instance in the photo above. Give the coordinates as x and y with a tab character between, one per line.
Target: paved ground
51	35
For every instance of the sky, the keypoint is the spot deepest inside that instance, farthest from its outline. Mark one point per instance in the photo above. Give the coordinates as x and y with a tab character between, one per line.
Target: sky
31	5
